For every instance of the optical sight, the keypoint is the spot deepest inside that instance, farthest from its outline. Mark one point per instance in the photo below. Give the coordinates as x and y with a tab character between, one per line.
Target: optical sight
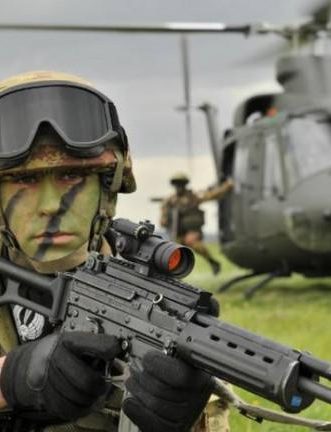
150	252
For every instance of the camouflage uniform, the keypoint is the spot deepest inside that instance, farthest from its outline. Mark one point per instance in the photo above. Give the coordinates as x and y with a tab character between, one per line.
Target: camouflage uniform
108	418
181	215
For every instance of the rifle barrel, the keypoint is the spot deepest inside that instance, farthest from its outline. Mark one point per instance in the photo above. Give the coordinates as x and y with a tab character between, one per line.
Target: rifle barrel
315	389
20	274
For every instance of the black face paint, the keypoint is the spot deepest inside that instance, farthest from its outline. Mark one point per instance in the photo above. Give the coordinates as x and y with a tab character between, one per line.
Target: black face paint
12	203
55	221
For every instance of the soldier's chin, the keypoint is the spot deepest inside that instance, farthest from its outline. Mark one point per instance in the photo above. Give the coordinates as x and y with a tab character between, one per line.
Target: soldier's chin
52	248
52	255
59	260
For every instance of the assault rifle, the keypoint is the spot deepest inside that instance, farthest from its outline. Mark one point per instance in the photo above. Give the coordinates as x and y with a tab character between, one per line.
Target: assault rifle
139	298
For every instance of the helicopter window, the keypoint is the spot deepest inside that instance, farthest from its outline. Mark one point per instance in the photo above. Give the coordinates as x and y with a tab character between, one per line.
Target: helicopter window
257	115
272	178
307	147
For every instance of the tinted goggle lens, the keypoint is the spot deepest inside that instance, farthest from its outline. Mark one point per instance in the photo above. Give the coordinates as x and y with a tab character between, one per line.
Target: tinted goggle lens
80	116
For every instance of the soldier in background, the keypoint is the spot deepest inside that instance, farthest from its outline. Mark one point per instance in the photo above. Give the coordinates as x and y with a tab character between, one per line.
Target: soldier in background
183	219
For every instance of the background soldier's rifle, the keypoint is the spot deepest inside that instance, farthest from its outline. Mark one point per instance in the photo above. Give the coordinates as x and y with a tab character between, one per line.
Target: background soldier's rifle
174	227
139	300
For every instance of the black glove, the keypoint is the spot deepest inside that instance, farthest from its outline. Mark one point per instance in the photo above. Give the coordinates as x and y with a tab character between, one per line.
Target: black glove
167	395
58	375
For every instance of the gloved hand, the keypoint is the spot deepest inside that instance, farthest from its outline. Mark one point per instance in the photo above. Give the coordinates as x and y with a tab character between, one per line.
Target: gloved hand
56	374
167	395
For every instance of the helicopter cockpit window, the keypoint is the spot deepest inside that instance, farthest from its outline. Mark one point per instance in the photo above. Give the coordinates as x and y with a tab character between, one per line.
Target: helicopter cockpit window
252	118
272	178
307	146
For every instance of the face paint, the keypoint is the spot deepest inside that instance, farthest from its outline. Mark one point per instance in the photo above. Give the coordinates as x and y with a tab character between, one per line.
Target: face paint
50	213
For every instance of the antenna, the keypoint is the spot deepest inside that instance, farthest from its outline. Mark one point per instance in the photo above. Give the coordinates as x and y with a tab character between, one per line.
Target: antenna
187	107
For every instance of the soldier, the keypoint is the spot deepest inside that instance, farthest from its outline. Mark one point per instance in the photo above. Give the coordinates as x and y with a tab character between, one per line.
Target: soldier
64	157
181	215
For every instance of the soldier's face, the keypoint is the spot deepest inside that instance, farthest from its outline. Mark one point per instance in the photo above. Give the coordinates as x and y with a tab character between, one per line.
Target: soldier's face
180	188
50	213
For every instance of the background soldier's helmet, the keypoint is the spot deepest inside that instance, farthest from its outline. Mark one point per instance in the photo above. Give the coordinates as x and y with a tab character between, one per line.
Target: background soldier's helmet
97	155
179	178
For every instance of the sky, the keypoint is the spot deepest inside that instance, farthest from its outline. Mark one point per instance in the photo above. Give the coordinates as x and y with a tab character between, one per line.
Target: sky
142	75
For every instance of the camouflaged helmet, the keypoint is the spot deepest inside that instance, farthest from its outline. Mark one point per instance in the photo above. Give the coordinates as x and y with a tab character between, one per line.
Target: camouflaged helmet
43	79
88	125
179	178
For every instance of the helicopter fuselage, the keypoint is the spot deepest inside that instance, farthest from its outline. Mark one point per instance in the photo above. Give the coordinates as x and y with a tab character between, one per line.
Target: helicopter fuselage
279	214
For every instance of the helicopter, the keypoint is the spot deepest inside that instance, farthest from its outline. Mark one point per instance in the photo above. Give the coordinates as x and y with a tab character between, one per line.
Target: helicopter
277	220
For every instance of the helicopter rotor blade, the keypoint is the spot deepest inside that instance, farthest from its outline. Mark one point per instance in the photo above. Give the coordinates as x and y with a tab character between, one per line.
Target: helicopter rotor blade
300	35
169	27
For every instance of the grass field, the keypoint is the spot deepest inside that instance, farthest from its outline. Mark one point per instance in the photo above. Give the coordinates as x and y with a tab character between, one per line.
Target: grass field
294	311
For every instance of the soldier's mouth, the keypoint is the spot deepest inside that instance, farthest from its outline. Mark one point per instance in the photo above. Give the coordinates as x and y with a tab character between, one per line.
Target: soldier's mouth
55	238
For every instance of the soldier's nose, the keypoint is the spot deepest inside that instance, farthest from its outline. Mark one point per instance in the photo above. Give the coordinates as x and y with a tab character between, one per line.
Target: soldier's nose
49	196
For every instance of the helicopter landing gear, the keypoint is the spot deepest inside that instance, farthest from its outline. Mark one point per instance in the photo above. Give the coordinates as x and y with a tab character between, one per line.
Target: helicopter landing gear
249	292
235	280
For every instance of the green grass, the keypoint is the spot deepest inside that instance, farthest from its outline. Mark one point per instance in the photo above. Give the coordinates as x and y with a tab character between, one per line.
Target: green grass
294	311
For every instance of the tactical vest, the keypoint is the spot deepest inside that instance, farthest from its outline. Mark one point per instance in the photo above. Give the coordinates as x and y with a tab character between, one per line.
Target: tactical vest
184	212
190	219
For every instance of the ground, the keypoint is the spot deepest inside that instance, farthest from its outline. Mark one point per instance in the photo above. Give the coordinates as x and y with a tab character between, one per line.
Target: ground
293	311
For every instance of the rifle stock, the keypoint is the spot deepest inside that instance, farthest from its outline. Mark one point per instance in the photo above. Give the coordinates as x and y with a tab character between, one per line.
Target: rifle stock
147	309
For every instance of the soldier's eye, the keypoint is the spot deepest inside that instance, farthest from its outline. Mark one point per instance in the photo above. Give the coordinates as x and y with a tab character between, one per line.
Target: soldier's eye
70	177
25	179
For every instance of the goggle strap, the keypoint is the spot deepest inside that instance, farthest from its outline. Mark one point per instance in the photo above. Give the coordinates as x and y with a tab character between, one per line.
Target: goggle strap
118	175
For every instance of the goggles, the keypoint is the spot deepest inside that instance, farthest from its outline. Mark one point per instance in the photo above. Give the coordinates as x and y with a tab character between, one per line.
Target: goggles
85	119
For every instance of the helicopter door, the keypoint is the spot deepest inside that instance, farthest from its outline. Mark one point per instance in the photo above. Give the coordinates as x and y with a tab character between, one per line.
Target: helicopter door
270	209
260	191
249	190
226	225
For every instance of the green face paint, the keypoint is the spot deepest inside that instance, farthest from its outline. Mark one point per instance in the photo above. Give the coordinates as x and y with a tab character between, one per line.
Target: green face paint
50	213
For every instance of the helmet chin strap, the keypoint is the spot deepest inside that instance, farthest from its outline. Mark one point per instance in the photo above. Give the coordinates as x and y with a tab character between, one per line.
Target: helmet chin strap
7	236
107	203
